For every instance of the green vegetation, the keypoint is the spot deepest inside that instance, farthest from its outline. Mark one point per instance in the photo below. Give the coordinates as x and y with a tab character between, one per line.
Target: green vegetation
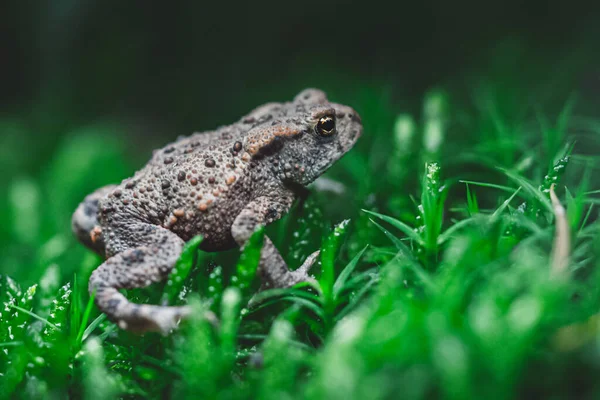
446	268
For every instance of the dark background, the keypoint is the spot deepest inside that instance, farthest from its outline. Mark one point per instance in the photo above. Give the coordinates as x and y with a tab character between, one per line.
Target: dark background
166	69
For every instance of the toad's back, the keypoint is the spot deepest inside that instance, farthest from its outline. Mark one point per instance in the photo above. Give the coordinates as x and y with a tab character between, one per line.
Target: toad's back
197	185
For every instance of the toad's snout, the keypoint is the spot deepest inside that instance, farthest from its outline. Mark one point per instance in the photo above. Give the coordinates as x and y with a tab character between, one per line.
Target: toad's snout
349	126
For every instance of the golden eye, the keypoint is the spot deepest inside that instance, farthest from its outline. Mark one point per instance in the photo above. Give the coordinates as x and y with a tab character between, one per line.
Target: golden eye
326	126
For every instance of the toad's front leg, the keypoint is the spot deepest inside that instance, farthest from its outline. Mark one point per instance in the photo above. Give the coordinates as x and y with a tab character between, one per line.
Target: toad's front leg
272	268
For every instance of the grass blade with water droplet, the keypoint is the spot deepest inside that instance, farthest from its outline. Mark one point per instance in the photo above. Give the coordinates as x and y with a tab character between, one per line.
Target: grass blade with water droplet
338	286
406	229
248	262
181	270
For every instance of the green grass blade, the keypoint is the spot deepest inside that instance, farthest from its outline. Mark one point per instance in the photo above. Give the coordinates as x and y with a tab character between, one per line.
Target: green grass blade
329	251
406	229
180	272
505	204
92	326
84	319
356	300
447	234
343	276
248	262
472	205
529	188
397	242
34	315
489	185
270	294
230	319
59	314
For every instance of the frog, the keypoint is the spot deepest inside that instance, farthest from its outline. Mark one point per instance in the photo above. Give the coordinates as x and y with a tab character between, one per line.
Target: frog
223	185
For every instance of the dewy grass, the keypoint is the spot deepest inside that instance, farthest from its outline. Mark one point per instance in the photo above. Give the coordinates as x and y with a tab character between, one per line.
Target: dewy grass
460	261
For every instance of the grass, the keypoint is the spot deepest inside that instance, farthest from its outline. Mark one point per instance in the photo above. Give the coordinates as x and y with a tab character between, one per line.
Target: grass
449	268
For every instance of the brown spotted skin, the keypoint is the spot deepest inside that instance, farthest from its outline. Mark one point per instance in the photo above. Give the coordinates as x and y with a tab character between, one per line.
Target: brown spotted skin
222	185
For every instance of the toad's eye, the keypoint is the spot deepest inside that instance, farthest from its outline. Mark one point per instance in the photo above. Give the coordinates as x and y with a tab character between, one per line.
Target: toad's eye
326	126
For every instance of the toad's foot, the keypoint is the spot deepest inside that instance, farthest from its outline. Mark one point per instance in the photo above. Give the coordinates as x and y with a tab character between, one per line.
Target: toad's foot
301	274
155	319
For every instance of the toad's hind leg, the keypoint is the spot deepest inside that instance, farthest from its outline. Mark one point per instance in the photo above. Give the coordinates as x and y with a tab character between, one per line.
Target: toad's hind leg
85	220
153	257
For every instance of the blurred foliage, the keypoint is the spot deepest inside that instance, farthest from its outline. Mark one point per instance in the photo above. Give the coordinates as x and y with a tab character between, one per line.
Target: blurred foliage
434	278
